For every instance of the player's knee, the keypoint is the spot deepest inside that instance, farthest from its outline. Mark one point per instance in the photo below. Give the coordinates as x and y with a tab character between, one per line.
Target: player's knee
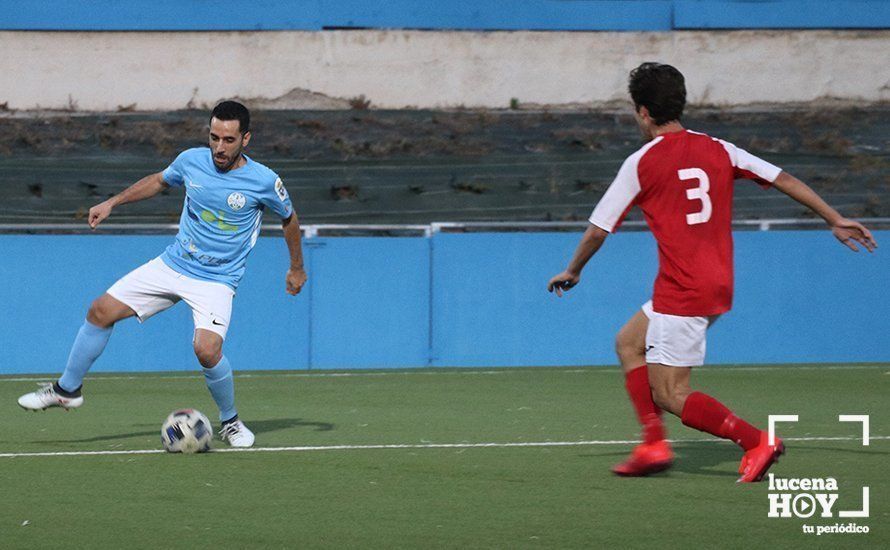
627	350
208	354
100	313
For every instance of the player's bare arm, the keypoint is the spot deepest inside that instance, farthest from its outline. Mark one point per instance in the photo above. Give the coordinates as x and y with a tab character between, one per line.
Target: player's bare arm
590	243
147	187
846	231
296	274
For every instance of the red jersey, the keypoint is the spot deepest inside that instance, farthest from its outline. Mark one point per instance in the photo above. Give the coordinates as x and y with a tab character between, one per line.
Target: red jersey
683	183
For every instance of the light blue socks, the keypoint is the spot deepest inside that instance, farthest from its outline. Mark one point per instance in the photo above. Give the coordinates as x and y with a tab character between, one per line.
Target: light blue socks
222	387
88	346
90	343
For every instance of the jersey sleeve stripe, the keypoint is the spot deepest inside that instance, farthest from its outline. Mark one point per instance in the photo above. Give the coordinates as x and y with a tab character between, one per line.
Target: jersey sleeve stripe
749	166
619	197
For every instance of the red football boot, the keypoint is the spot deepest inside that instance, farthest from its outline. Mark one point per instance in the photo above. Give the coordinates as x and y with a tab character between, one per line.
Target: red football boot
757	461
646	458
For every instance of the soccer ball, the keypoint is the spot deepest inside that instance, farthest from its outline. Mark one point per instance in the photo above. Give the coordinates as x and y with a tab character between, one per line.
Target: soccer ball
186	431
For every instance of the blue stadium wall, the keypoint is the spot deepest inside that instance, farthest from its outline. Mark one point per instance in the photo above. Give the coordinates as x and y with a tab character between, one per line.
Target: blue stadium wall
451	300
556	15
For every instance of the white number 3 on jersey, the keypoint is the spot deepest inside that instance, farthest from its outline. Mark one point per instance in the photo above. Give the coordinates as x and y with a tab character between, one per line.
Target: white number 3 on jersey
700	193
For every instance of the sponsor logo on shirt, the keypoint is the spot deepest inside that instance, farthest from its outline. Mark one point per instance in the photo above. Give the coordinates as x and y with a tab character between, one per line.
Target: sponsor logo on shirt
192	253
218	219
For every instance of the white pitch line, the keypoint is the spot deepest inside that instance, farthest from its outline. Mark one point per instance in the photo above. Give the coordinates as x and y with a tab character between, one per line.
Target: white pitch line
444	371
309	448
187	376
456	372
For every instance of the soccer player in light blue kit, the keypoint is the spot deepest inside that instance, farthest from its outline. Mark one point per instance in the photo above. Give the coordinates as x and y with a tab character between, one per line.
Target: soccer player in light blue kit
225	195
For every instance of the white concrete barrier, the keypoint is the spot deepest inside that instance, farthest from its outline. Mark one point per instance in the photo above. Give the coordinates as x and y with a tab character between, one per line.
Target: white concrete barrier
103	71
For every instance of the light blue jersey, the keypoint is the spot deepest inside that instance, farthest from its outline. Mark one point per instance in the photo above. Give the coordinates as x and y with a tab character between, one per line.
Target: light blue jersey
221	216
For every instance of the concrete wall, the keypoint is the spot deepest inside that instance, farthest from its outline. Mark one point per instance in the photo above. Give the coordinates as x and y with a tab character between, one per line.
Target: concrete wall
399	69
450	300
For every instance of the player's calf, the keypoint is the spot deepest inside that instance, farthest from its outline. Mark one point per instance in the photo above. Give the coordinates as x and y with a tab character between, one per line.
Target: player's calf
670	398
636	382
706	414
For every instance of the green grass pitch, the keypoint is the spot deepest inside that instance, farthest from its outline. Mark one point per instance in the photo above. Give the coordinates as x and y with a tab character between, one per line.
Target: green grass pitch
337	493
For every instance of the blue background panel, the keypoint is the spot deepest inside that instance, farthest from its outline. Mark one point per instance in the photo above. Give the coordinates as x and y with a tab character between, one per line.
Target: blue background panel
781	14
491	306
207	15
47	286
800	297
270	328
48	283
551	15
370	302
452	300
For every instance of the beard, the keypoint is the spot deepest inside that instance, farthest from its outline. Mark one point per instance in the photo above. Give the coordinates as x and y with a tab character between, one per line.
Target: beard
225	162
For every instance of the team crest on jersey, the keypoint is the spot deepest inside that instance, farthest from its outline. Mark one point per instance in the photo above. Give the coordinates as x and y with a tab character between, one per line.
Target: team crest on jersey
279	188
236	201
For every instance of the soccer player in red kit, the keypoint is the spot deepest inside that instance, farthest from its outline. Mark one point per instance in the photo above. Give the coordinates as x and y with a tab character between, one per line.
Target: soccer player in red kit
683	183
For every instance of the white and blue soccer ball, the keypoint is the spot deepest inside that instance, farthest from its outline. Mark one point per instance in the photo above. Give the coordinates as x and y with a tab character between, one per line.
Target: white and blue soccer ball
186	431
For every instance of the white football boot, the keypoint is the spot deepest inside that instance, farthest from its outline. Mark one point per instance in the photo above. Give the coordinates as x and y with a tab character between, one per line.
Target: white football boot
47	397
236	434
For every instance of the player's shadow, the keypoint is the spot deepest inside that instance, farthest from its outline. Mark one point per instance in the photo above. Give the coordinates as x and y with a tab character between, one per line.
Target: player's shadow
711	459
793	447
693	458
257	426
107	437
277	424
708	458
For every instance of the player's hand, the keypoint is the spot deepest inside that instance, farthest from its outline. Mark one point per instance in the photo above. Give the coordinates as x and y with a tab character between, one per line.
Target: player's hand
848	231
295	280
99	213
563	282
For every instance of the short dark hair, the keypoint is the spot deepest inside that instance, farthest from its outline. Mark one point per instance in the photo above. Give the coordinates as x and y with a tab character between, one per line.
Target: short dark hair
659	88
232	110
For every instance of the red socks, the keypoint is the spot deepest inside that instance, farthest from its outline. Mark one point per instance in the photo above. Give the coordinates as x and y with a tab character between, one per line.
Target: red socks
700	411
706	414
648	413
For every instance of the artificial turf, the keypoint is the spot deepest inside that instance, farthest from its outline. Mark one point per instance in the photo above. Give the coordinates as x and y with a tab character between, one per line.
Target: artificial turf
550	496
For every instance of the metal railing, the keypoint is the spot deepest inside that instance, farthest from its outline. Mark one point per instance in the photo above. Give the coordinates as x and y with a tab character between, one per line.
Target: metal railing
761	225
425	230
